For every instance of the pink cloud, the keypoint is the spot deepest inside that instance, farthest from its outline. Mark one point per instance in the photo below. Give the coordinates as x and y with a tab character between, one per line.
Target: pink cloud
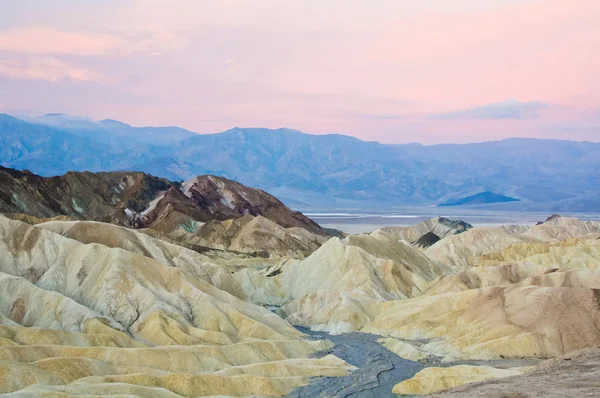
41	40
44	40
376	70
545	50
47	68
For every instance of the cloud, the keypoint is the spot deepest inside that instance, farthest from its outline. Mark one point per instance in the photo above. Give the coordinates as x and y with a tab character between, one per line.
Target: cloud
509	109
43	40
336	66
375	116
47	68
591	128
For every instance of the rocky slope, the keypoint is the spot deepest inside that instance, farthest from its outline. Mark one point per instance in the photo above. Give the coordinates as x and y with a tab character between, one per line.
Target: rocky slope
256	235
510	292
438	379
495	322
211	269
426	233
125	314
177	308
207	198
574	375
481	294
339	286
224	199
93	196
140	200
521	262
465	250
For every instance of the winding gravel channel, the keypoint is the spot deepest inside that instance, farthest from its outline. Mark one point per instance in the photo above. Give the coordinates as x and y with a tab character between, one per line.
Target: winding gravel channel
378	368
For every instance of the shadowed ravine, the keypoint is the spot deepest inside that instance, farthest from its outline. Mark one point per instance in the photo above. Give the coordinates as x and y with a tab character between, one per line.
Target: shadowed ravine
378	368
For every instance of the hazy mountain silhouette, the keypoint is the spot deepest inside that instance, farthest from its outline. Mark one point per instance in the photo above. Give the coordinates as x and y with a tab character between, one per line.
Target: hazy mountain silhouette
478	199
317	170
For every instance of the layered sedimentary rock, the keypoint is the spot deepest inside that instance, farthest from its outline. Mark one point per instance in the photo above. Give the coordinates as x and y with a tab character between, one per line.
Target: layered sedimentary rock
490	293
494	322
93	196
435	379
168	254
465	250
249	234
35	220
177	307
568	253
519	262
557	228
512	292
574	375
138	200
425	233
147	319
461	251
339	286
224	199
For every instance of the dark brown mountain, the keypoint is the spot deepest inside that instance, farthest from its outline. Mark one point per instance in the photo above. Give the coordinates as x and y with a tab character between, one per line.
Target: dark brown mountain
224	199
90	196
140	200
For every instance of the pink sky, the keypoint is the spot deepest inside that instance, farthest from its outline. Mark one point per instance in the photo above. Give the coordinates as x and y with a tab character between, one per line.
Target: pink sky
386	70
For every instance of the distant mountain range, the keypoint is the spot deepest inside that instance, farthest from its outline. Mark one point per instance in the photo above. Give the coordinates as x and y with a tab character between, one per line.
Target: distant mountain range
316	170
479	199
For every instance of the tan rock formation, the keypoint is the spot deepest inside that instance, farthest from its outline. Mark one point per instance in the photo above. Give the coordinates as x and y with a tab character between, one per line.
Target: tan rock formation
489	323
461	251
434	379
522	261
575	375
34	220
339	286
558	228
250	234
465	250
569	253
133	241
438	228
78	317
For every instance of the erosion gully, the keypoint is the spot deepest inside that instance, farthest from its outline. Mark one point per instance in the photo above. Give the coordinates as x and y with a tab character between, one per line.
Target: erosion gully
379	369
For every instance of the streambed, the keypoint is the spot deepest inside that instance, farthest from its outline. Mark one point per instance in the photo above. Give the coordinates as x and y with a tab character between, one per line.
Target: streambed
379	369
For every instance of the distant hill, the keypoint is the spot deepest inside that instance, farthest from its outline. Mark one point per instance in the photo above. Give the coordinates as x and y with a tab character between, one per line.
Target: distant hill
308	171
116	134
140	200
478	199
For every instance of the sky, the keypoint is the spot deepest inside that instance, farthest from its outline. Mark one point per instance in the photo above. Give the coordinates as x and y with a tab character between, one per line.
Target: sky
393	71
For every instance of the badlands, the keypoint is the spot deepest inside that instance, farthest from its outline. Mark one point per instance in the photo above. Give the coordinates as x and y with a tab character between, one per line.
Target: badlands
123	284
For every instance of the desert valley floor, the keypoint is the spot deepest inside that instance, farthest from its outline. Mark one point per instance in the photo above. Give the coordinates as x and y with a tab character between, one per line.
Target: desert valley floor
124	284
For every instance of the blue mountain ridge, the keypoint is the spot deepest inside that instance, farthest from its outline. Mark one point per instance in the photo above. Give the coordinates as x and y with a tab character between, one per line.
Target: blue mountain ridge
316	170
477	199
